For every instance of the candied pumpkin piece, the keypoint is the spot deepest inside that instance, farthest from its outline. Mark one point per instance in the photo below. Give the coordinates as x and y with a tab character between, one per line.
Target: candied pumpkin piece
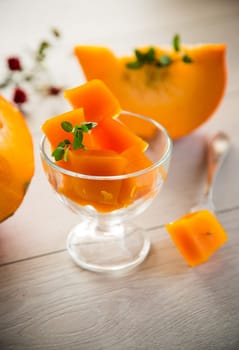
54	132
136	159
101	194
95	98
197	236
138	186
113	135
95	162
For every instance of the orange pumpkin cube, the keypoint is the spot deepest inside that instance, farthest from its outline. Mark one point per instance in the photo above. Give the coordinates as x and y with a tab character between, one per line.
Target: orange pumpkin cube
53	130
111	134
137	186
102	194
197	236
95	162
95	98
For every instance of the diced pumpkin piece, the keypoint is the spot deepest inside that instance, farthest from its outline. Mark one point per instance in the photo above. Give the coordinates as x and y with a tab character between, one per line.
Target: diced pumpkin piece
95	98
113	135
53	130
103	194
197	236
138	186
136	159
95	162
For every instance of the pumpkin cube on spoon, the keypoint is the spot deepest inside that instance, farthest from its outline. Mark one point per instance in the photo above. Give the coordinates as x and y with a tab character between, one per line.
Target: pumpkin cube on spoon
197	236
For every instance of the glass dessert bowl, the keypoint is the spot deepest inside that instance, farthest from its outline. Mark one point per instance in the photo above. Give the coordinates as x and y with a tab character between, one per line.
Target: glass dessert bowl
106	239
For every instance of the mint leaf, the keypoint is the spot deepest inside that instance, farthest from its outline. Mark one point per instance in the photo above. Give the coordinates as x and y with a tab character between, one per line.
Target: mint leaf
67	126
164	60
84	128
134	65
176	42
58	153
187	59
91	125
149	56
62	149
77	141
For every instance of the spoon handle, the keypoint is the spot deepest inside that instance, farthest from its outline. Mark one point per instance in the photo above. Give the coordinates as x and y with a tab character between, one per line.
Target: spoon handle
218	147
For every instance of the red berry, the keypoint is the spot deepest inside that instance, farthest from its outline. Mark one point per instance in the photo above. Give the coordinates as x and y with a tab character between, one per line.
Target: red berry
14	63
19	96
54	90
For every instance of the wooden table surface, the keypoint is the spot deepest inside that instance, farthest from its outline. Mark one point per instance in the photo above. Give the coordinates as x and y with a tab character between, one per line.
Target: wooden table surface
47	302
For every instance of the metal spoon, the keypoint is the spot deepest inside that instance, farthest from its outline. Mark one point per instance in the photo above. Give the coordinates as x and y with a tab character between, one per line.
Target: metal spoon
217	149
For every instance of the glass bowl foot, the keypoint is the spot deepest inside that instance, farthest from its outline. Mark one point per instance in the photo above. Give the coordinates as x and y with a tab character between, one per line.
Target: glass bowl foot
116	248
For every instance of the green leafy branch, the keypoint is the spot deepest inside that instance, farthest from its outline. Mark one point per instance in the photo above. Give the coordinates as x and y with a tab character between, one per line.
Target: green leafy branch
62	149
149	57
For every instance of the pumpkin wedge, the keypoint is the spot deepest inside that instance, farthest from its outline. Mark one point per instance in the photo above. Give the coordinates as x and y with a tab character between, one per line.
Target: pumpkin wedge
181	96
16	158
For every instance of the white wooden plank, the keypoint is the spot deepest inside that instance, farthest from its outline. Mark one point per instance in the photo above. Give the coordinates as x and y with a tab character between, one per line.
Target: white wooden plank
49	303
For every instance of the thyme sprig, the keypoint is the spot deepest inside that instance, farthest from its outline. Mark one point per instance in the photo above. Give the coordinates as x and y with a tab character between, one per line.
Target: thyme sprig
62	149
20	77
150	58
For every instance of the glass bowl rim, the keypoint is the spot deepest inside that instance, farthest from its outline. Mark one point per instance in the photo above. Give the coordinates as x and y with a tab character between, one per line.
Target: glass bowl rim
166	155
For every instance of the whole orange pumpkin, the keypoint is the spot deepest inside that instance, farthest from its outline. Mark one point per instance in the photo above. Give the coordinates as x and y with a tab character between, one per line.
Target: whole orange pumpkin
16	158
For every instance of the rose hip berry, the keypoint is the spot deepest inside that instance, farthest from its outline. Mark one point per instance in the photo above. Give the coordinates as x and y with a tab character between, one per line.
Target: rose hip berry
19	96
54	90
14	63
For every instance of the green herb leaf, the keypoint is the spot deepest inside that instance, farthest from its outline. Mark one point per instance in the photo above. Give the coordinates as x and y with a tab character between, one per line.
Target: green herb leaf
176	42
28	77
84	128
187	59
6	82
78	138
67	126
149	56
63	147
164	60
41	54
90	125
139	56
56	32
58	153
134	65
63	143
